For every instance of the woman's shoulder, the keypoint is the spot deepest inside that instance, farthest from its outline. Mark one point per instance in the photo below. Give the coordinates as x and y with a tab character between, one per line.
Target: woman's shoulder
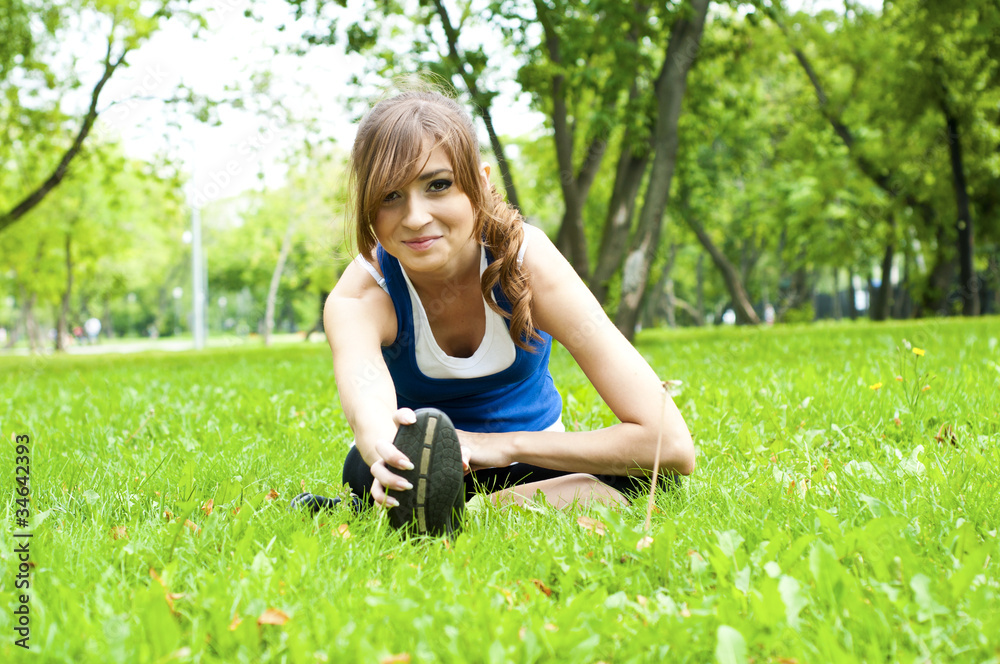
540	256
359	294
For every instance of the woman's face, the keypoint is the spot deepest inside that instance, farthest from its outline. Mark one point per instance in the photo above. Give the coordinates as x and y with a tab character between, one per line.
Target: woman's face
427	224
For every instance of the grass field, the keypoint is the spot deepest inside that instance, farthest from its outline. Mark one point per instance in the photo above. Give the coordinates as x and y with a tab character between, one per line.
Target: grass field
841	511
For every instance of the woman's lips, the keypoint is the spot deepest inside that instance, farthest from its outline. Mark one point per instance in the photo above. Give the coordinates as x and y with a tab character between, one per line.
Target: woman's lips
421	243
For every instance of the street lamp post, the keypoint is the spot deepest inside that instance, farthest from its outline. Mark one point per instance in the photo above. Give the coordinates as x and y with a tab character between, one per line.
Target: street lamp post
198	279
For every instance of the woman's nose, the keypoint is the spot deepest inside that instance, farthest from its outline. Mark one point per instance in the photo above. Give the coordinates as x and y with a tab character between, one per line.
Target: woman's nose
417	213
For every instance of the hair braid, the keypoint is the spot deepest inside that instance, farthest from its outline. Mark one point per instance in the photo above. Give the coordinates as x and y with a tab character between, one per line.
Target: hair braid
503	233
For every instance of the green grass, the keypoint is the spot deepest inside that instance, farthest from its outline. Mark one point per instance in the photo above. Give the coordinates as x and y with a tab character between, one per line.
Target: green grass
826	521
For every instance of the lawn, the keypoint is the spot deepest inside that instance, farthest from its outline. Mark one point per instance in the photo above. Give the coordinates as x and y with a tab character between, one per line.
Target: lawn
844	508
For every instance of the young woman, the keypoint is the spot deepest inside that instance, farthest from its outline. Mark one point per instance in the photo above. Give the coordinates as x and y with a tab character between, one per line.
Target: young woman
453	303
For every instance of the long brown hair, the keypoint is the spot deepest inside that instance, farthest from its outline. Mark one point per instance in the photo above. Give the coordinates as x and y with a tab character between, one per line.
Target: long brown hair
387	155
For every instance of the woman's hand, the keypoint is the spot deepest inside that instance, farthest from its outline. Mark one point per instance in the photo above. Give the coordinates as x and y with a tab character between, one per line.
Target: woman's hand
390	457
479	451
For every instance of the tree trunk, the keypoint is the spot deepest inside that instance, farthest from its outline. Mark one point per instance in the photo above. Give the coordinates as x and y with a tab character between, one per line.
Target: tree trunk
618	222
482	102
934	299
969	287
730	275
62	327
700	287
900	303
318	325
995	271
837	310
883	300
272	291
685	37
852	303
107	322
658	302
618	219
30	325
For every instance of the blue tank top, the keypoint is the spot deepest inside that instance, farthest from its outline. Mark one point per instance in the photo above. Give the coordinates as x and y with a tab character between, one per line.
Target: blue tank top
522	397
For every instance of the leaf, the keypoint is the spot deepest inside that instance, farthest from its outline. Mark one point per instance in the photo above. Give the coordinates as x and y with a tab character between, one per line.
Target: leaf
271	495
272	617
731	647
590	524
729	542
644	543
791	594
192	526
235	622
208	507
343	531
400	658
119	532
541	586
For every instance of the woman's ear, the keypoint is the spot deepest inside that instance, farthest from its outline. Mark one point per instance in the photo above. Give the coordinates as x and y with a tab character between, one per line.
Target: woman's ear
484	175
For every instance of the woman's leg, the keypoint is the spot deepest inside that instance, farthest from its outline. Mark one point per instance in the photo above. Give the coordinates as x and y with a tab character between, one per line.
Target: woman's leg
521	482
358	476
564	491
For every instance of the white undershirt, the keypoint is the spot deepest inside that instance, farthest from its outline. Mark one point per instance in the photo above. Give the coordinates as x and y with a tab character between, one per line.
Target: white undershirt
496	352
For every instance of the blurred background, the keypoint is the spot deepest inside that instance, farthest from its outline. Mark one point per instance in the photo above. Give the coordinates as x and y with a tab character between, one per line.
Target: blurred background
176	170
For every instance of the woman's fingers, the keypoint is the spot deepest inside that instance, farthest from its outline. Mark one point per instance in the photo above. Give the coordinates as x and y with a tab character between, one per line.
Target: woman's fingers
392	456
404	416
380	497
466	456
388	479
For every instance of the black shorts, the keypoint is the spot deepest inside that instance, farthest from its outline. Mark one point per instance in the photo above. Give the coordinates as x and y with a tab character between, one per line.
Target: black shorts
358	475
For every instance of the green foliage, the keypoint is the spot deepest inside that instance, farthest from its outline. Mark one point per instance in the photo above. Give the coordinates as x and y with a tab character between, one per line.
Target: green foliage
816	527
123	222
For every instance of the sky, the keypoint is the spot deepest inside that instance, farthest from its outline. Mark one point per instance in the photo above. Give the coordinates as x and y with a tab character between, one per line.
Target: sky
247	149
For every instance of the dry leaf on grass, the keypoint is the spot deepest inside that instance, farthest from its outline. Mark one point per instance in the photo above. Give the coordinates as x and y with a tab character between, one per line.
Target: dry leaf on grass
541	586
644	543
400	658
119	532
235	623
344	531
208	507
271	495
590	524
273	617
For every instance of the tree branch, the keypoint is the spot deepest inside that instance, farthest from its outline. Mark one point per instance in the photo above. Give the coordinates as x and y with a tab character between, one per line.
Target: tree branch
483	107
35	197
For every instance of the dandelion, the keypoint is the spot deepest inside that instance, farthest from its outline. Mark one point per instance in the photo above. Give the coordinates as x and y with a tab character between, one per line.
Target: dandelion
876	386
918	351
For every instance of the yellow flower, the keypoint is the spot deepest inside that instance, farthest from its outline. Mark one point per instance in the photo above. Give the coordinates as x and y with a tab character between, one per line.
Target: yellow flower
918	351
875	386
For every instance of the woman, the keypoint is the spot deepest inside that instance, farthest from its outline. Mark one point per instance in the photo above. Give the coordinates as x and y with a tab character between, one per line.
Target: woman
453	302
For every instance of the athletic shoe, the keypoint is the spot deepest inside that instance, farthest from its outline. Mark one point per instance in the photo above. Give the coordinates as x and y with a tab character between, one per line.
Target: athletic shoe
435	504
316	504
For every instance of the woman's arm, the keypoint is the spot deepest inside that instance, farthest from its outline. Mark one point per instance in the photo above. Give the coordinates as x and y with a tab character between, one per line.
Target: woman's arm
565	308
358	319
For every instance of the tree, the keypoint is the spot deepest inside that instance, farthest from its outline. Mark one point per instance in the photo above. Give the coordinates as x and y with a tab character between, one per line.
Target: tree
32	87
682	50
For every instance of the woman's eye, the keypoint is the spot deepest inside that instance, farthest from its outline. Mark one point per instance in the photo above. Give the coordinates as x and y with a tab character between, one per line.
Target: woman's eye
390	197
439	185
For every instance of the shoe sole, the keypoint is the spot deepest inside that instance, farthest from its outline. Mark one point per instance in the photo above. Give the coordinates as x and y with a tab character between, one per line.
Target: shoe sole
435	503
